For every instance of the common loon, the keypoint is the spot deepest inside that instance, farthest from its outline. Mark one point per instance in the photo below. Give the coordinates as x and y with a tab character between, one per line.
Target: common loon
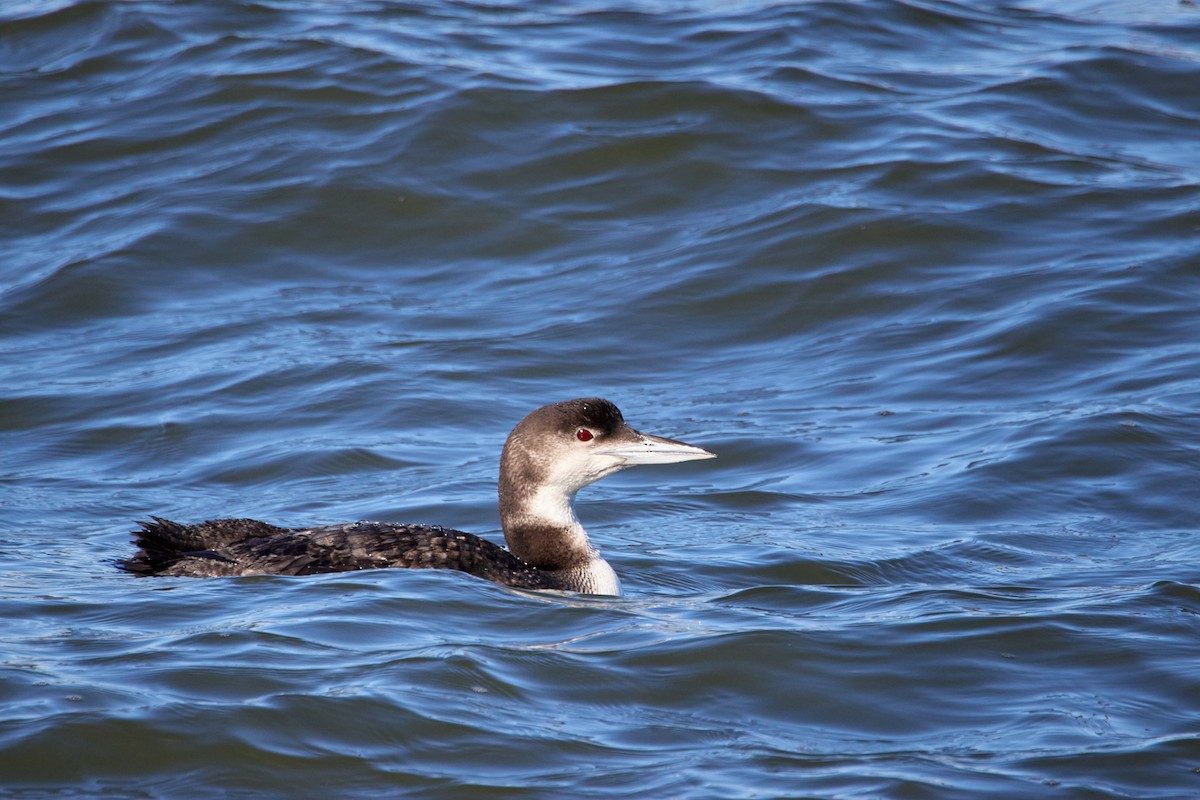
549	456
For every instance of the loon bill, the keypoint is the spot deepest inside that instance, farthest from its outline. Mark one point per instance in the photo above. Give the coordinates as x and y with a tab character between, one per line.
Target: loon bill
551	454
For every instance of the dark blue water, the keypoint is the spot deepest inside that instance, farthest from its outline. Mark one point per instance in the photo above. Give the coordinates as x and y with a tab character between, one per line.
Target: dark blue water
925	275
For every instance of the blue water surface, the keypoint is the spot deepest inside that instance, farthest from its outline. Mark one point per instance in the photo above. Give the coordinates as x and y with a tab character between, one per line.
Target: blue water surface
923	274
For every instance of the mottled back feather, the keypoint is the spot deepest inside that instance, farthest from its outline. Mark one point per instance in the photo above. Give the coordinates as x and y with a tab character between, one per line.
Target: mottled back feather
250	547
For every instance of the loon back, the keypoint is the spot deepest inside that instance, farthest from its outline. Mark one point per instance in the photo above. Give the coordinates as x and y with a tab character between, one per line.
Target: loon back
249	547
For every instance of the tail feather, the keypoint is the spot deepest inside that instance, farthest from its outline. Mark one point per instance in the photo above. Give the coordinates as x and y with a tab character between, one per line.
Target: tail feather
162	542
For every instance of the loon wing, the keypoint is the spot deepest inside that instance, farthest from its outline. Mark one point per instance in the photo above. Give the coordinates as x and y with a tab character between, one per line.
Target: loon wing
250	547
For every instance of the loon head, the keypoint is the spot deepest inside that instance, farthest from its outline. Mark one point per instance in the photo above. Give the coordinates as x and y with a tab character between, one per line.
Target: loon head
552	454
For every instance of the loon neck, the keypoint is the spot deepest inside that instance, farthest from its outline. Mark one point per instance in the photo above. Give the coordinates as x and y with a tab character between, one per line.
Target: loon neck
540	527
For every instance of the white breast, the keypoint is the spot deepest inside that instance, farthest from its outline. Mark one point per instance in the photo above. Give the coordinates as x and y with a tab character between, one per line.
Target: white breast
601	579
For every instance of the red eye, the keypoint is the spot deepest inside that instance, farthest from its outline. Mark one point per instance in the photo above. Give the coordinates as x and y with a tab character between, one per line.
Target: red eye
583	435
